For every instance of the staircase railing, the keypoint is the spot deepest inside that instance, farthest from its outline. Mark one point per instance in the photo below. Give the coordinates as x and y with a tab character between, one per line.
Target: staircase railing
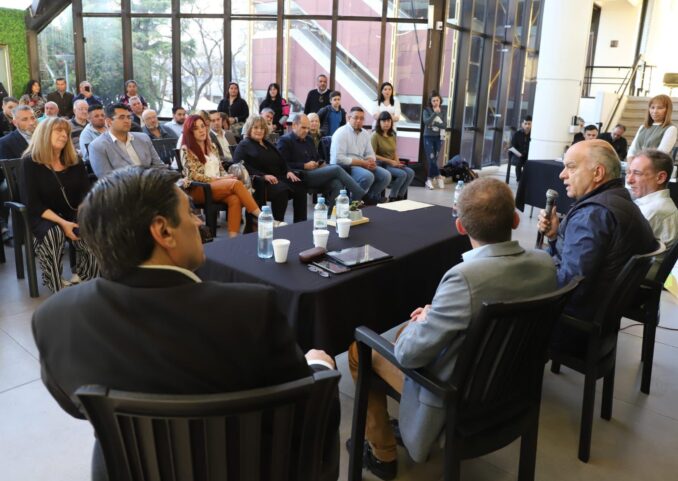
627	82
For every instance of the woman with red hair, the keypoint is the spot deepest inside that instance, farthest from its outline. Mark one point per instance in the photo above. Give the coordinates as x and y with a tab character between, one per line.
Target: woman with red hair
201	163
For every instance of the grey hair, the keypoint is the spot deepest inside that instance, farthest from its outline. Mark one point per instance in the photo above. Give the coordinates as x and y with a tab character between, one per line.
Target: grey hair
117	212
604	154
80	102
20	108
297	120
267	110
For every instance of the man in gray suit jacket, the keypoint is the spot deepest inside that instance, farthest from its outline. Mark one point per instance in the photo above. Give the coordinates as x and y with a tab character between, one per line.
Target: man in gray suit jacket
496	269
118	147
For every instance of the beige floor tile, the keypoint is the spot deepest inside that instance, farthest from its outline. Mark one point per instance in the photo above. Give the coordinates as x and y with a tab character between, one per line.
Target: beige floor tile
17	366
39	441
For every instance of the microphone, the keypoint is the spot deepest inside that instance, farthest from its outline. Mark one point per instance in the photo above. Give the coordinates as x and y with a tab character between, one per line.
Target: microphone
551	197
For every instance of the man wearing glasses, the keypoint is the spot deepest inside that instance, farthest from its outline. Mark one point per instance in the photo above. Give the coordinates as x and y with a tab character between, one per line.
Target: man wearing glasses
119	147
648	181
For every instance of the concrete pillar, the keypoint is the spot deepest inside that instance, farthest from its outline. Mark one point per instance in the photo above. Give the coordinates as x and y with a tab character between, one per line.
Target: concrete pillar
562	60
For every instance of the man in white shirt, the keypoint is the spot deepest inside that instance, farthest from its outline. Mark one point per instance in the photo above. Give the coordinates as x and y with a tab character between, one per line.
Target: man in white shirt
216	127
648	180
120	148
177	122
351	147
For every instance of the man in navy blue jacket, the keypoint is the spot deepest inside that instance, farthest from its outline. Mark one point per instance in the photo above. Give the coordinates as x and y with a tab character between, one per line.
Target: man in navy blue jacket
601	231
301	156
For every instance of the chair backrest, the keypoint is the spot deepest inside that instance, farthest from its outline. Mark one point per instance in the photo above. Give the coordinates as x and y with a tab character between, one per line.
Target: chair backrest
667	263
165	149
273	433
621	292
12	170
501	362
325	145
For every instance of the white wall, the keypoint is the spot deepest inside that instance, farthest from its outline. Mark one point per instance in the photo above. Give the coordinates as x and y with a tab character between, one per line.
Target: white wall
661	42
618	21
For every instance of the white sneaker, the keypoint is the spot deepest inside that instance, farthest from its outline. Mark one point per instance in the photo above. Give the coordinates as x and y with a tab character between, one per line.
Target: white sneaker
279	223
429	185
75	279
65	283
441	183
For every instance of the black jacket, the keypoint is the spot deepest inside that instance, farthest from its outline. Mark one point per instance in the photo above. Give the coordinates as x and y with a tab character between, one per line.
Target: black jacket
65	103
12	145
237	109
158	331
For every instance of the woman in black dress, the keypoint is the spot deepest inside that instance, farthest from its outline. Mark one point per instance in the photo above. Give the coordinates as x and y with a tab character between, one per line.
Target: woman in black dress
54	182
263	160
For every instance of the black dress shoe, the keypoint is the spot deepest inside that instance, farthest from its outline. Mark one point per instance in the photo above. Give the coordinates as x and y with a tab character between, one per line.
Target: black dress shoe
385	470
395	425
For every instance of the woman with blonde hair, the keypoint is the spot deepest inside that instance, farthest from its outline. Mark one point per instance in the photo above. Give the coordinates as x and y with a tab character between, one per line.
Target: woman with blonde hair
263	160
54	182
657	132
314	129
201	163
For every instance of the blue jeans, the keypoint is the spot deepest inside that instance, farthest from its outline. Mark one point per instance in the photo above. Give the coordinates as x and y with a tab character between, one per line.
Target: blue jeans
432	149
373	181
401	180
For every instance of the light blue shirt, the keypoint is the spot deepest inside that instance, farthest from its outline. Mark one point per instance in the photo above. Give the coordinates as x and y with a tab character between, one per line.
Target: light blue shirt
88	134
347	144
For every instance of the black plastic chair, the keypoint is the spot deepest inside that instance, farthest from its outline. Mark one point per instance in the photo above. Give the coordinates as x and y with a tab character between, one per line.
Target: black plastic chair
600	334
645	309
23	237
273	433
494	394
165	149
209	207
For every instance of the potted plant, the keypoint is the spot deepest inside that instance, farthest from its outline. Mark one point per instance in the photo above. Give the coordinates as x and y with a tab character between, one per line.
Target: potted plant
354	212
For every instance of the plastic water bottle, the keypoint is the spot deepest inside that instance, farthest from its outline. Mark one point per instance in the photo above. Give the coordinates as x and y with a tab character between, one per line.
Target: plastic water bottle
320	214
342	205
457	193
265	240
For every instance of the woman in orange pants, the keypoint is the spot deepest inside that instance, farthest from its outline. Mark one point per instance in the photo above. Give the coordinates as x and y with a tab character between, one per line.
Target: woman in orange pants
201	163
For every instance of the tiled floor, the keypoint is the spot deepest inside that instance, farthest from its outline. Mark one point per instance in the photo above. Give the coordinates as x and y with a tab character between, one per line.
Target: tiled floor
38	441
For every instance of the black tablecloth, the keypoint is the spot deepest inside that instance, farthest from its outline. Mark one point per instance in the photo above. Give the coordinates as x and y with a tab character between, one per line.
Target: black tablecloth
541	175
325	311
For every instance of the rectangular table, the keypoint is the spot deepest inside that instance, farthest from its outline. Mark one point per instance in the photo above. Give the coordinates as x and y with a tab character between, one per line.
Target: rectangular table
541	175
325	311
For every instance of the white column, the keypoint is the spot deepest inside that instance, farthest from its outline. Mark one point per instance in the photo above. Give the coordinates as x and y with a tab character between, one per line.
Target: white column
562	60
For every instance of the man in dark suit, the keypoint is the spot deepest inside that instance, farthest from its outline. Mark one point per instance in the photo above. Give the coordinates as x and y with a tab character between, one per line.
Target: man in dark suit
617	140
520	147
8	105
13	145
150	324
62	98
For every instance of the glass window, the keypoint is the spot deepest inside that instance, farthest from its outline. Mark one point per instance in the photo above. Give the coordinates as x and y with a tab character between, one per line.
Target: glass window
358	45
55	46
151	6
360	8
308	7
406	49
407	8
103	57
258	7
473	83
101	6
479	15
152	61
307	54
534	21
453	12
253	46
202	6
202	63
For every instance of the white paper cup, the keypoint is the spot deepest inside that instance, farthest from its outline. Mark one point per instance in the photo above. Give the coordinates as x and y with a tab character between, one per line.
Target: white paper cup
280	249
343	227
320	237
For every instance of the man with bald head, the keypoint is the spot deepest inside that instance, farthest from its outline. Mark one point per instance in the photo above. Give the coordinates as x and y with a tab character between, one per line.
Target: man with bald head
601	231
51	110
152	126
299	151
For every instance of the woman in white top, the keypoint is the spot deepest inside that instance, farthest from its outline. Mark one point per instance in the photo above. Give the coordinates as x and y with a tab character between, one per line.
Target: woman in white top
657	132
201	163
386	102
